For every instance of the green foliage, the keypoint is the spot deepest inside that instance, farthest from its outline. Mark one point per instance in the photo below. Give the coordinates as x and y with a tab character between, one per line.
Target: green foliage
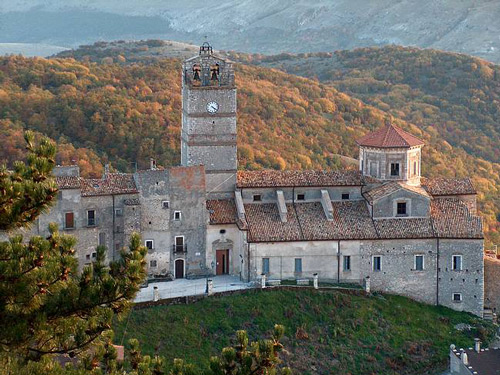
326	332
47	306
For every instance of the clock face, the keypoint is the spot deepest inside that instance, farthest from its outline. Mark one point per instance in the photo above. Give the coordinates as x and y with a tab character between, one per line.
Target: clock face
212	107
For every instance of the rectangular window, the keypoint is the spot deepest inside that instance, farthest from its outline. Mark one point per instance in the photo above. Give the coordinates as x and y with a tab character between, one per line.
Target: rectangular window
419	263
301	197
345	196
91	218
457	297
179	246
117	246
347	262
149	244
257	198
298	264
152	263
457	263
118	212
394	169
401	208
94	255
102	239
165	204
377	263
69	220
265	265
414	168
177	215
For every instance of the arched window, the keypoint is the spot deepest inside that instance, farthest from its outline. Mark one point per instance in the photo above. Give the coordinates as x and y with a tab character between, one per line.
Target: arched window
196	72
214	72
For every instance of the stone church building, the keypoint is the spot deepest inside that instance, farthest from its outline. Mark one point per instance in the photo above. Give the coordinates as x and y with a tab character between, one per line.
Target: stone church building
412	236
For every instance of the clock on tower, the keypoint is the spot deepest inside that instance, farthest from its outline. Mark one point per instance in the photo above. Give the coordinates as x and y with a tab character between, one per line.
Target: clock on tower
209	119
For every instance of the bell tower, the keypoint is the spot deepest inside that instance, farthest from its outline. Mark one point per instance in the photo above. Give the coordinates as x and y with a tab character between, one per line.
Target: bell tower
209	119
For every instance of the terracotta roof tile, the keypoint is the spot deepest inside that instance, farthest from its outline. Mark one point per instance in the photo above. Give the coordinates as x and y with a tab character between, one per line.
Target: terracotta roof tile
379	191
404	228
389	136
113	183
448	186
265	225
351	220
274	178
451	219
222	211
68	182
132	202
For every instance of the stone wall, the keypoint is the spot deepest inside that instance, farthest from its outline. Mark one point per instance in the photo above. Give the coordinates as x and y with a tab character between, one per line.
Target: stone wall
416	205
492	284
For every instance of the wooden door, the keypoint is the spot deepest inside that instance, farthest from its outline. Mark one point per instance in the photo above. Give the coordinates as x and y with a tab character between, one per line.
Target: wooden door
179	269
222	258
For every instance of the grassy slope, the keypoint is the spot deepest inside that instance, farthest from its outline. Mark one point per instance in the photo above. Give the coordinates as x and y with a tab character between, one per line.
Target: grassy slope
346	334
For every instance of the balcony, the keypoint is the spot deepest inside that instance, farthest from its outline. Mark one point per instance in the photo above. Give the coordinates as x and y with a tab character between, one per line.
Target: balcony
179	249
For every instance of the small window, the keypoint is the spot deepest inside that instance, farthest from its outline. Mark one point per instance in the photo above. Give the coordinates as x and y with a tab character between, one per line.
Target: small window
222	231
94	255
301	197
419	263
87	256
149	244
117	246
347	262
69	220
177	215
414	168
118	212
377	263
457	297
153	263
91	218
257	197
118	229
265	265
394	169
457	263
401	208
102	239
165	205
345	196
298	265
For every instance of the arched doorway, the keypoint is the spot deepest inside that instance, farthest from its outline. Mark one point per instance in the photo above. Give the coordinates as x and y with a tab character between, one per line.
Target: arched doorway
179	268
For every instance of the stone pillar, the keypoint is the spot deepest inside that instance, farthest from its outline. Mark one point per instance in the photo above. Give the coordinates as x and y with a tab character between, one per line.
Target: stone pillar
156	294
315	281
263	281
210	287
367	284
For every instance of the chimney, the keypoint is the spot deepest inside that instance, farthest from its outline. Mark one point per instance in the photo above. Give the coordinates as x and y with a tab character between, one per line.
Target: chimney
464	358
106	170
152	164
477	345
326	202
282	206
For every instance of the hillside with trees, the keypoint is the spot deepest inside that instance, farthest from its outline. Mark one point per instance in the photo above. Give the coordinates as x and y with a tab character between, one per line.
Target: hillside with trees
124	113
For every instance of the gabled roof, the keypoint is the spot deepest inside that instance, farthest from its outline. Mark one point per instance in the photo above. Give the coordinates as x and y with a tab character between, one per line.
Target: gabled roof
452	219
274	178
389	136
112	183
449	186
380	191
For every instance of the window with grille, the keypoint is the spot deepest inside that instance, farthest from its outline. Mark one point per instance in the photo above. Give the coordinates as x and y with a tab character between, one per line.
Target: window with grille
347	262
401	209
91	218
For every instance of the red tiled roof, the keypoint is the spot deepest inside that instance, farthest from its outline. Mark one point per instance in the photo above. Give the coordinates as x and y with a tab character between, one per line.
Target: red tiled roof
265	225
351	220
68	182
222	211
274	178
388	137
113	183
379	191
452	219
449	186
404	228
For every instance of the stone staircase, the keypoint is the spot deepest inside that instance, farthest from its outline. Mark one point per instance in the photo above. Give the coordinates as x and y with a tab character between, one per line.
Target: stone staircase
489	315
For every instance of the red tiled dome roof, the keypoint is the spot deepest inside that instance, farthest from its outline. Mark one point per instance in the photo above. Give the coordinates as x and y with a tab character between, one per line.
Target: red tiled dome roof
389	136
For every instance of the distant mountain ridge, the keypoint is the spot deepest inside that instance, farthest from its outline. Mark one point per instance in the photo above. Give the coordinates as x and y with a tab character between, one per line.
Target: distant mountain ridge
264	26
